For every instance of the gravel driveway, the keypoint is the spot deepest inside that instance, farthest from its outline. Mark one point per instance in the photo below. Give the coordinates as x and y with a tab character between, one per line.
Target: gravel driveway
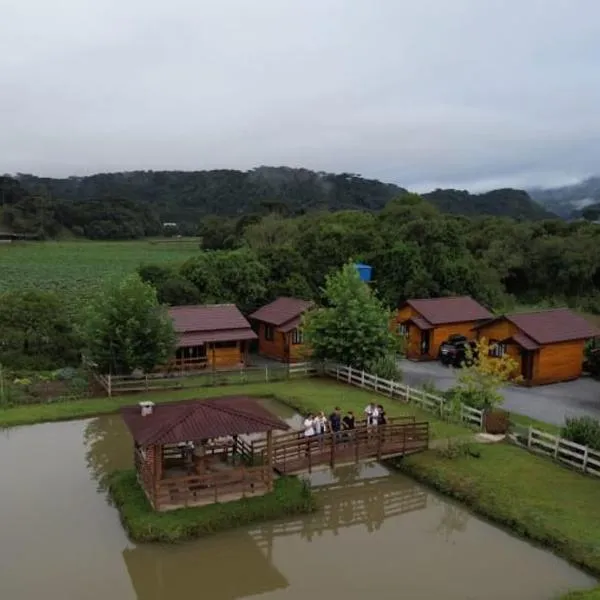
549	403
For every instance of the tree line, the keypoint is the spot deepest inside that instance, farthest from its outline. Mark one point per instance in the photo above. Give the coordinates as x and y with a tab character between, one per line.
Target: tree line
415	251
138	204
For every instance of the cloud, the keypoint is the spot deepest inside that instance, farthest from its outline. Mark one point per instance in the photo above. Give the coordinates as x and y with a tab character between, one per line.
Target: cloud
427	93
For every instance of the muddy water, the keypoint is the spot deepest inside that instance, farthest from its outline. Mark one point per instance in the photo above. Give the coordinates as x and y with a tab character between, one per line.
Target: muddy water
379	535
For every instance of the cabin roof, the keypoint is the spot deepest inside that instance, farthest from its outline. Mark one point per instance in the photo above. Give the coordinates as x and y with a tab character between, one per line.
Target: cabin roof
421	323
197	325
522	340
193	420
451	309
284	313
551	326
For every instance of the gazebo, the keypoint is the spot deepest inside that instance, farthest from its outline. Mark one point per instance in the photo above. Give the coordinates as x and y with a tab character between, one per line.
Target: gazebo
194	452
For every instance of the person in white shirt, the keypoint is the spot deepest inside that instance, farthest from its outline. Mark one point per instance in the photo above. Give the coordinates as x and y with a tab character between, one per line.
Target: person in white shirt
320	424
371	414
309	426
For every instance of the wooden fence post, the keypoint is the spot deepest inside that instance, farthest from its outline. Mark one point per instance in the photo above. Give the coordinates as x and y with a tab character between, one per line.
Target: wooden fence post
109	384
362	378
349	374
529	436
585	458
376	383
146	381
556	447
267	373
407	394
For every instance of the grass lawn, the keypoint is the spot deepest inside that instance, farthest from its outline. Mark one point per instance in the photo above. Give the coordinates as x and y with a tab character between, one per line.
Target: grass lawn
534	496
291	496
306	394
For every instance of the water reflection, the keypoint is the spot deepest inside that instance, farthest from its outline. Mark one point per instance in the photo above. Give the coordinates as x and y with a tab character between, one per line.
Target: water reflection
454	519
108	447
227	568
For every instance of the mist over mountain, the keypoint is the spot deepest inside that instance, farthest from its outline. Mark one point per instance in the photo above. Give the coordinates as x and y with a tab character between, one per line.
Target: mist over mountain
569	201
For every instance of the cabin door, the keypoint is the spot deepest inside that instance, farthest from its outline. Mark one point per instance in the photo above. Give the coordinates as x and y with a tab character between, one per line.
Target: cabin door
425	342
527	365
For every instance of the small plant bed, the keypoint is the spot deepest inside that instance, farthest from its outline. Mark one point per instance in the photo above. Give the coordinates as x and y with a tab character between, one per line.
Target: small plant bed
536	498
291	496
593	594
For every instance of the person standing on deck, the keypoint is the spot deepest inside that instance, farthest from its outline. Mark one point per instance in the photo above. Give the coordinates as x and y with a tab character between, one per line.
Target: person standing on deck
371	414
335	420
348	421
320	423
309	426
381	416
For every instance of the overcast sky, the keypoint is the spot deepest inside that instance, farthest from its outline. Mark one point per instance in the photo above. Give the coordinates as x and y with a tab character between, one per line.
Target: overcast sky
468	93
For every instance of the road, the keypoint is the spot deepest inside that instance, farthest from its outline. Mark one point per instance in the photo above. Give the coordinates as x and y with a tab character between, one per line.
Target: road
548	403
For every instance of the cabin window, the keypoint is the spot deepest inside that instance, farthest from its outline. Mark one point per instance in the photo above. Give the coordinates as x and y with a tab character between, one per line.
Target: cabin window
226	344
269	333
403	329
497	349
297	337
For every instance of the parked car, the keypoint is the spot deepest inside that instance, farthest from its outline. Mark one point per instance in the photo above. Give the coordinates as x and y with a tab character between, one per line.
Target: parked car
457	351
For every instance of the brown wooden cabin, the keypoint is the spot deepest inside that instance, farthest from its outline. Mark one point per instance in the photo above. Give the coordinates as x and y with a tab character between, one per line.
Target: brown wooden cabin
213	336
279	333
427	322
548	344
192	452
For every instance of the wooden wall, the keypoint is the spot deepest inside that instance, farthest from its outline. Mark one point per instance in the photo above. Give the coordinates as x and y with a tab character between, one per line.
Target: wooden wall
225	357
440	334
271	349
298	352
498	330
559	362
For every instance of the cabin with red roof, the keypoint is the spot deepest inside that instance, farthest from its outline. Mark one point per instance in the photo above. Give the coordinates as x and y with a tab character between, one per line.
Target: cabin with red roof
426	323
279	333
213	336
547	344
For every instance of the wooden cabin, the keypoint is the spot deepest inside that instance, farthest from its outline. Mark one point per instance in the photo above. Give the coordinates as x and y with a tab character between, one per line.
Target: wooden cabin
426	323
279	333
192	453
214	336
547	344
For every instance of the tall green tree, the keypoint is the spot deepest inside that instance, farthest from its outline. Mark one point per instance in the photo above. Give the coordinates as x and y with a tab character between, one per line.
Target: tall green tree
35	331
127	328
354	327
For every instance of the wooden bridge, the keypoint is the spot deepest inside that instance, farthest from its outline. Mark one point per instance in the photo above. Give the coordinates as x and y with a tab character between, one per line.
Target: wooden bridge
294	454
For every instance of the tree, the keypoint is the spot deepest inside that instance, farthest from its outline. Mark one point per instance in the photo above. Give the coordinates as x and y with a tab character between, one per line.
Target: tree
353	328
35	331
480	379
127	329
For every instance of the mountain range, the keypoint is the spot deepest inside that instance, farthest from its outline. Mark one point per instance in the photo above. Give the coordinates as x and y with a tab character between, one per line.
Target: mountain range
571	201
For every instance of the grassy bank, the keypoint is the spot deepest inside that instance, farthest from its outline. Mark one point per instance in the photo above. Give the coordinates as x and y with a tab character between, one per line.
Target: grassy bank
291	496
533	496
310	394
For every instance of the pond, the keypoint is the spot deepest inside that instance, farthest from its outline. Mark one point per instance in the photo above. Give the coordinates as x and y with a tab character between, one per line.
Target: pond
378	534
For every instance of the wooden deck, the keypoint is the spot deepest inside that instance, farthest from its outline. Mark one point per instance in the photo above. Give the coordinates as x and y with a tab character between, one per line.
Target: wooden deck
294	454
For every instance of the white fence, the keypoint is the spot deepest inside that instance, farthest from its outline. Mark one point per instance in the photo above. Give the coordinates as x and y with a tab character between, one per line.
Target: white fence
405	393
575	455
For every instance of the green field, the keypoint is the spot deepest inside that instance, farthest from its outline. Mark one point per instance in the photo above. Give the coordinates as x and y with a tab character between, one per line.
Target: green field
78	268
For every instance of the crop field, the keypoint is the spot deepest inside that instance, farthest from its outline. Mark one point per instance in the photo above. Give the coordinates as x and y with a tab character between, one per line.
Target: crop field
79	268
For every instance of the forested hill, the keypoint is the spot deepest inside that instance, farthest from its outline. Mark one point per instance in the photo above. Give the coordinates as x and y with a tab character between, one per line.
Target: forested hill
135	204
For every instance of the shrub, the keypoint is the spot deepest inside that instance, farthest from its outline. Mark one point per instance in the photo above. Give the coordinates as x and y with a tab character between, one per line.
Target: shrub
385	367
582	430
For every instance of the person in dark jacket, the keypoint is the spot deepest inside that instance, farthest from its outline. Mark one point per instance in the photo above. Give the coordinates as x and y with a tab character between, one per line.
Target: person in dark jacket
348	421
382	418
335	420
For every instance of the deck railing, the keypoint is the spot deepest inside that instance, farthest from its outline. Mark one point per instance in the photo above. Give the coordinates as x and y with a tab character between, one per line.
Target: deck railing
212	487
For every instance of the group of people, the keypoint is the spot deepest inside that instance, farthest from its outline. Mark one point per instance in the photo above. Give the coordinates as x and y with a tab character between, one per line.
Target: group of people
318	424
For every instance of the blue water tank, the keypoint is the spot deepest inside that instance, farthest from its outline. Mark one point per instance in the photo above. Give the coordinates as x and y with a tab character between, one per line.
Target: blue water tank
364	271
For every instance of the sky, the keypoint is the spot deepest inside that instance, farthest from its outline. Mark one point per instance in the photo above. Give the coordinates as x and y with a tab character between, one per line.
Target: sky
425	93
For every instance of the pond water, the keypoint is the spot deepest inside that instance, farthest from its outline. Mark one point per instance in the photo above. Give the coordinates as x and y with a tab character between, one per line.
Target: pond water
379	534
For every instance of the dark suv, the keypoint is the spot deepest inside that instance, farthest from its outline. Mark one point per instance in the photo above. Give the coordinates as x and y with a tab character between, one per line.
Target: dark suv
454	351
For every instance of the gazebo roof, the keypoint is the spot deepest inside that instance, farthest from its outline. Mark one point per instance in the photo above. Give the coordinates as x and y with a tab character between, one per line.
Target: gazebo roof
188	420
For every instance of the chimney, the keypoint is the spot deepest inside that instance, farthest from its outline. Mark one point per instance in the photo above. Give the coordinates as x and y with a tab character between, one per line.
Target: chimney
146	408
